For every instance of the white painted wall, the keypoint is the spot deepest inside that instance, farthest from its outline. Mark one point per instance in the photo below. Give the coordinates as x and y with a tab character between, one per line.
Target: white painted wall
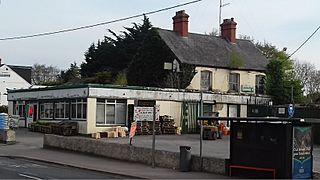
9	80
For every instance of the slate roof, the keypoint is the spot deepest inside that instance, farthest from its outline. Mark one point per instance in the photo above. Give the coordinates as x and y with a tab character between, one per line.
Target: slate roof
212	51
22	71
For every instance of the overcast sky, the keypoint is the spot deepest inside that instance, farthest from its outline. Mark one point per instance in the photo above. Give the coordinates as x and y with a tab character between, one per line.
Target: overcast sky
284	23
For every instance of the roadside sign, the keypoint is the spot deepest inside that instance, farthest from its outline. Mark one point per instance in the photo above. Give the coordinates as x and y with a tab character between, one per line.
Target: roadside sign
143	114
290	110
302	152
133	129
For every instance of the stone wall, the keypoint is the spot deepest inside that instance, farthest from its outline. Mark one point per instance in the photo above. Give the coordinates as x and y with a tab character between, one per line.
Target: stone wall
126	152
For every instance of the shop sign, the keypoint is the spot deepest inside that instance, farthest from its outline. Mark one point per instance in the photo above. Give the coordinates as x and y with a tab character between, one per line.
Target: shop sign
247	88
143	113
302	158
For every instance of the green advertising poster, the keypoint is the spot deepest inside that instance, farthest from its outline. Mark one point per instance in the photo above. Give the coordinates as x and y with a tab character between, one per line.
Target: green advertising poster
302	157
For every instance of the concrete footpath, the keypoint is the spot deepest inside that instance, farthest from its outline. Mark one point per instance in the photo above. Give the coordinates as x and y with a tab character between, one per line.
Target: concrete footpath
29	145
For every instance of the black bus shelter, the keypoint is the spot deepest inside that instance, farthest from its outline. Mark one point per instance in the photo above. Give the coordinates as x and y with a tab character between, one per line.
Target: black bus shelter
268	147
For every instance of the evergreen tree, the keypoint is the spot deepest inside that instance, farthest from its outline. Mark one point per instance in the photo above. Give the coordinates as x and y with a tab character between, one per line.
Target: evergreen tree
115	54
147	67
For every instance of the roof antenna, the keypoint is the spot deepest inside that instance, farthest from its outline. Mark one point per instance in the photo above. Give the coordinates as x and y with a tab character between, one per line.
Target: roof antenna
220	8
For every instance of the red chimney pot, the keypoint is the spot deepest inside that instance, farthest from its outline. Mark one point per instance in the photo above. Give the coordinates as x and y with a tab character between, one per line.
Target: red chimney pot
180	23
228	30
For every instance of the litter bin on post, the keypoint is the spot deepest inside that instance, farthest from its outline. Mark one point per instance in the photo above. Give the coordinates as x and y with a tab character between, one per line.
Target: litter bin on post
185	158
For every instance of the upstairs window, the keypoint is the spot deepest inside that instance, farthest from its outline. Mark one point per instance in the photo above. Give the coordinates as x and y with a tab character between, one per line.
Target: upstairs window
206	81
234	82
260	84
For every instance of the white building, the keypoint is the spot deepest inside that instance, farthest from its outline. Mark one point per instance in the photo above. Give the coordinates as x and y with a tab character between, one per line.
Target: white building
98	107
13	77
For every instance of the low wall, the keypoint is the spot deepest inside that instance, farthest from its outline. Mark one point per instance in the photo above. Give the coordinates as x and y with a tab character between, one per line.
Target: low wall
126	152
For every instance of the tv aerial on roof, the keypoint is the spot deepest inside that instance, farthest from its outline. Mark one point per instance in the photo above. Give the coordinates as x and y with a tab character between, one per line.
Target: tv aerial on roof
220	8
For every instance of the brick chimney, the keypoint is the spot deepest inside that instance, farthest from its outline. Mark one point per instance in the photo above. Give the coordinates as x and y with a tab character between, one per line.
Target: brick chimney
180	23
228	30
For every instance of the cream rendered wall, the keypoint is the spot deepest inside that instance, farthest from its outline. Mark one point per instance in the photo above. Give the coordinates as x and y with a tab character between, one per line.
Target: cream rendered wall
243	110
222	109
220	78
172	109
91	115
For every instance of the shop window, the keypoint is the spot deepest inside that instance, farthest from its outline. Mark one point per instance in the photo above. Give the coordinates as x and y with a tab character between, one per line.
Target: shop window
206	80
46	110
111	111
260	84
61	110
20	109
79	109
234	82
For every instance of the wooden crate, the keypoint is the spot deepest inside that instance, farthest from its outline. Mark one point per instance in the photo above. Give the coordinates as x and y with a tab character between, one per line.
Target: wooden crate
96	135
112	134
121	134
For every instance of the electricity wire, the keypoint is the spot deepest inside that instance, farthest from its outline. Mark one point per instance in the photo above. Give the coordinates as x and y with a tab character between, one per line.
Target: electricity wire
98	24
304	42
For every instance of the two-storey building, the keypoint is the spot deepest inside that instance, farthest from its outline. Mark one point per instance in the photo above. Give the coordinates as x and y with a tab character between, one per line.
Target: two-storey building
13	77
229	76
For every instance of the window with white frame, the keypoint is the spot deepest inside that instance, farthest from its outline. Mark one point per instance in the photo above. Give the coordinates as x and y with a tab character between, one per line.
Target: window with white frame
234	82
79	109
206	80
111	111
46	110
61	110
260	84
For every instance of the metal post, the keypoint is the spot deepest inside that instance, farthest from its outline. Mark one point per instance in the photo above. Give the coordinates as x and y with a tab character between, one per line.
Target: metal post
291	94
153	136
201	128
220	18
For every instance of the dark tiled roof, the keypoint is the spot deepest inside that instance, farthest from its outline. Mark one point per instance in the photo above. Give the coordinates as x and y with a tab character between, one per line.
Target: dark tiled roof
23	71
212	51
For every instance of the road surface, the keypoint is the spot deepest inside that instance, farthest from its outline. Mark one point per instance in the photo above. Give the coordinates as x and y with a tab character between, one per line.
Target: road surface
17	168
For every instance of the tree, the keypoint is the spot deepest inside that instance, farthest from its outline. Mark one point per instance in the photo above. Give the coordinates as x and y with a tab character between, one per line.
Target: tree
42	73
3	109
72	74
308	75
214	32
147	69
281	79
115	54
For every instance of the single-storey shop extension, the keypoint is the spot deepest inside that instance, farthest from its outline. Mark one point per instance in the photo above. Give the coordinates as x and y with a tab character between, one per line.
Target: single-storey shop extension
98	107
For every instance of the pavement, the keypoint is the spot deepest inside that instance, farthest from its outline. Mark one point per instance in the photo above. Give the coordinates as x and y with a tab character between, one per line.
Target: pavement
29	146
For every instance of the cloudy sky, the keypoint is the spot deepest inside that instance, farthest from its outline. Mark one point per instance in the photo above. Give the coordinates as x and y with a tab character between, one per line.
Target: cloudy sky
284	23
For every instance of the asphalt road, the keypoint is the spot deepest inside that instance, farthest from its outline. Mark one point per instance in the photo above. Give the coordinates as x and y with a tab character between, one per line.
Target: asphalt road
17	168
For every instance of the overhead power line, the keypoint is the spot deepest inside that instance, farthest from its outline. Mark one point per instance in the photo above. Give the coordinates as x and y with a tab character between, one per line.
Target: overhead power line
98	24
304	42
